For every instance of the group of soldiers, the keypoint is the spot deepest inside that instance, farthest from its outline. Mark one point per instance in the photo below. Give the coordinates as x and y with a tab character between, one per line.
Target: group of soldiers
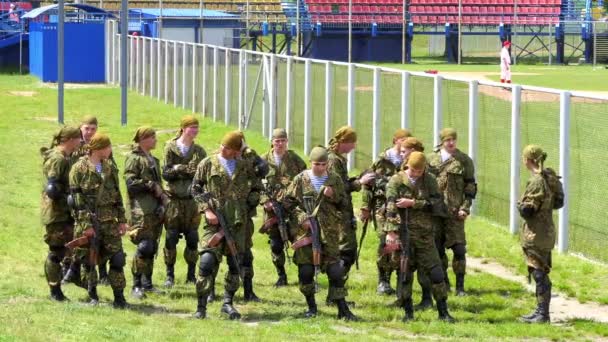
417	203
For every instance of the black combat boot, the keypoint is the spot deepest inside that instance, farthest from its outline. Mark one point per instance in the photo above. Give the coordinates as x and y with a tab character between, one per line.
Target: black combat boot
137	292
460	285
248	293
541	315
344	312
312	307
146	284
191	276
427	300
543	298
57	294
228	308
212	296
93	297
201	307
530	315
282	280
170	281
408	309
442	309
119	299
384	283
72	275
103	274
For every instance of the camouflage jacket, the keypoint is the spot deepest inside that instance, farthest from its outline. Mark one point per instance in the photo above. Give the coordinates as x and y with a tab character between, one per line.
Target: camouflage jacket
96	193
425	194
56	167
329	217
456	179
141	172
376	192
337	164
280	176
538	231
230	194
251	158
179	170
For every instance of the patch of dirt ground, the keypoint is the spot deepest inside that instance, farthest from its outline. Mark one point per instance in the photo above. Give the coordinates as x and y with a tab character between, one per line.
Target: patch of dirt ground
23	93
562	308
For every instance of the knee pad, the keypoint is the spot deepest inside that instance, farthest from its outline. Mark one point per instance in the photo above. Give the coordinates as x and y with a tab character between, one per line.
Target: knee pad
57	253
54	258
436	275
171	239
118	261
306	273
335	271
191	239
207	264
246	259
146	249
460	251
348	257
543	283
276	245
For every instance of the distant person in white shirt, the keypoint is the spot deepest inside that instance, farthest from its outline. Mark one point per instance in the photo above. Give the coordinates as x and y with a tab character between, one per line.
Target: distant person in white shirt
505	63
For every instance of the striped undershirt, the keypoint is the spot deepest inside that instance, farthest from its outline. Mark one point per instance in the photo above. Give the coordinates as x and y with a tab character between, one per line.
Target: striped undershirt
277	159
394	157
317	181
228	164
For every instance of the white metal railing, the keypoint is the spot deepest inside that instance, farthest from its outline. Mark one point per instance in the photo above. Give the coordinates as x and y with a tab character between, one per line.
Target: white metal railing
250	100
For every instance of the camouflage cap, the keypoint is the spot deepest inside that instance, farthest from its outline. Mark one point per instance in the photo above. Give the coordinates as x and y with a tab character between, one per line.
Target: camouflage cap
413	143
416	160
401	133
143	132
233	140
99	141
345	134
448	133
534	152
67	133
188	120
318	154
89	120
279	133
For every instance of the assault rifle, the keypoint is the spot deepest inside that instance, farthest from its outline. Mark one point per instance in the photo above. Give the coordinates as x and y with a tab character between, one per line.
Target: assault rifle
404	245
90	235
309	207
279	213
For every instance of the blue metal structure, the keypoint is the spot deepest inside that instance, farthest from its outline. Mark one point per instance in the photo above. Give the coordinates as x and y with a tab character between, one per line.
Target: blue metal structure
84	43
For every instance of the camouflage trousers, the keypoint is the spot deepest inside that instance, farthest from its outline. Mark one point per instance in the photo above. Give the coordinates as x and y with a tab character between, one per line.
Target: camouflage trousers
449	233
145	229
109	241
206	283
423	256
56	236
181	218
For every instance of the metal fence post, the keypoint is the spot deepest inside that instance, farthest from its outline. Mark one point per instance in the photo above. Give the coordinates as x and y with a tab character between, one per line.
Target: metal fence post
227	79
152	64
289	91
144	70
159	62
175	73
137	65
264	95
241	101
351	108
405	99
184	74
307	106
215	77
194	83
204	85
132	46
564	169
166	72
328	97
437	110
473	124
272	95
107	49
515	159
376	115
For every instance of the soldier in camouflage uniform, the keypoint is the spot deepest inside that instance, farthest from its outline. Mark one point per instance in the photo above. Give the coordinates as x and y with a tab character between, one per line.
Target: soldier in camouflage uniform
342	143
456	177
257	168
221	182
146	198
284	165
182	218
98	203
327	192
543	194
374	202
54	210
411	196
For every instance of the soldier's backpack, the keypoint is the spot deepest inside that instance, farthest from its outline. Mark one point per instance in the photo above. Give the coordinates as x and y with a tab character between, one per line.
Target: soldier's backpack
556	187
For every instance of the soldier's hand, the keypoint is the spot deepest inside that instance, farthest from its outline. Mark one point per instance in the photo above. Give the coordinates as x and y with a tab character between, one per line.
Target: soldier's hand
392	242
211	218
306	224
367	178
364	214
462	215
404	203
328	192
268	206
122	228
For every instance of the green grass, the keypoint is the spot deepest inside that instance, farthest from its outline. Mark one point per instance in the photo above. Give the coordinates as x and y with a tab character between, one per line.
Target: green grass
26	123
